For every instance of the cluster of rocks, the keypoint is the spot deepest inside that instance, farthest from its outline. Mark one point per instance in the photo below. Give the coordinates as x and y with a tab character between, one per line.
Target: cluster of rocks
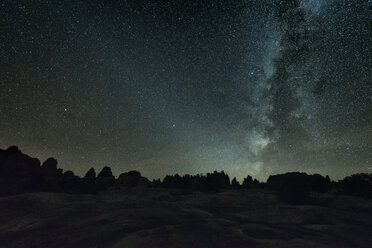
20	173
315	183
295	187
357	185
212	182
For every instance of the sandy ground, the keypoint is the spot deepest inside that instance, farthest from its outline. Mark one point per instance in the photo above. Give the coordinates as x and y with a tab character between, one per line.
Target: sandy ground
174	218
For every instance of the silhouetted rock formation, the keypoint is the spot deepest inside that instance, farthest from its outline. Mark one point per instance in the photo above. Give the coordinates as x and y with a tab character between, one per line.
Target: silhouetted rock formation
131	179
20	173
105	173
357	185
314	183
235	184
88	182
69	174
156	183
248	182
52	175
212	182
13	149
91	174
70	183
105	179
294	187
216	181
50	164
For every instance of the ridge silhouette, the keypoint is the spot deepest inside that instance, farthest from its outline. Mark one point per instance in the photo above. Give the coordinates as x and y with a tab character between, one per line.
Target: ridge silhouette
20	173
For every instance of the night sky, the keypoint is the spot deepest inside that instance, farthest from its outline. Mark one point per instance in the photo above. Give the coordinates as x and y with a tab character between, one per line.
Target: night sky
164	87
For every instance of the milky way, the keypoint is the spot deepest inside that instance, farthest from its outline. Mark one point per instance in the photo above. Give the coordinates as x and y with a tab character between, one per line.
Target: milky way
164	87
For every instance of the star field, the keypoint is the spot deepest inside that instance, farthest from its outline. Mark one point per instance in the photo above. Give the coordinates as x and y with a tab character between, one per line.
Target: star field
165	87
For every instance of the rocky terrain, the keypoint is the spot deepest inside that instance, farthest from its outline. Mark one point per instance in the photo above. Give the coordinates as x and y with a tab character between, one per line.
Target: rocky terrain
156	217
42	206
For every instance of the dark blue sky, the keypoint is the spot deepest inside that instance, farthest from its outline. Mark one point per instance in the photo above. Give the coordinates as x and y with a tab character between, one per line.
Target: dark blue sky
248	87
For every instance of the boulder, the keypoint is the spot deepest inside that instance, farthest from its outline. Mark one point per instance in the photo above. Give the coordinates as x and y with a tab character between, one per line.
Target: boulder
131	179
312	183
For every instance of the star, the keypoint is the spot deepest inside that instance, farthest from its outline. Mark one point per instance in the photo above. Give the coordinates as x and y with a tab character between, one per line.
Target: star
241	86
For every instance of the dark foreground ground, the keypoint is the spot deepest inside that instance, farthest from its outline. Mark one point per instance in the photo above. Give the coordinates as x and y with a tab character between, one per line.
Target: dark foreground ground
155	217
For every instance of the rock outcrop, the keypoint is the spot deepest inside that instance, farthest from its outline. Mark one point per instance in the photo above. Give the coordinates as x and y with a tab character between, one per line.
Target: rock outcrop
357	185
131	179
18	172
314	183
105	179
